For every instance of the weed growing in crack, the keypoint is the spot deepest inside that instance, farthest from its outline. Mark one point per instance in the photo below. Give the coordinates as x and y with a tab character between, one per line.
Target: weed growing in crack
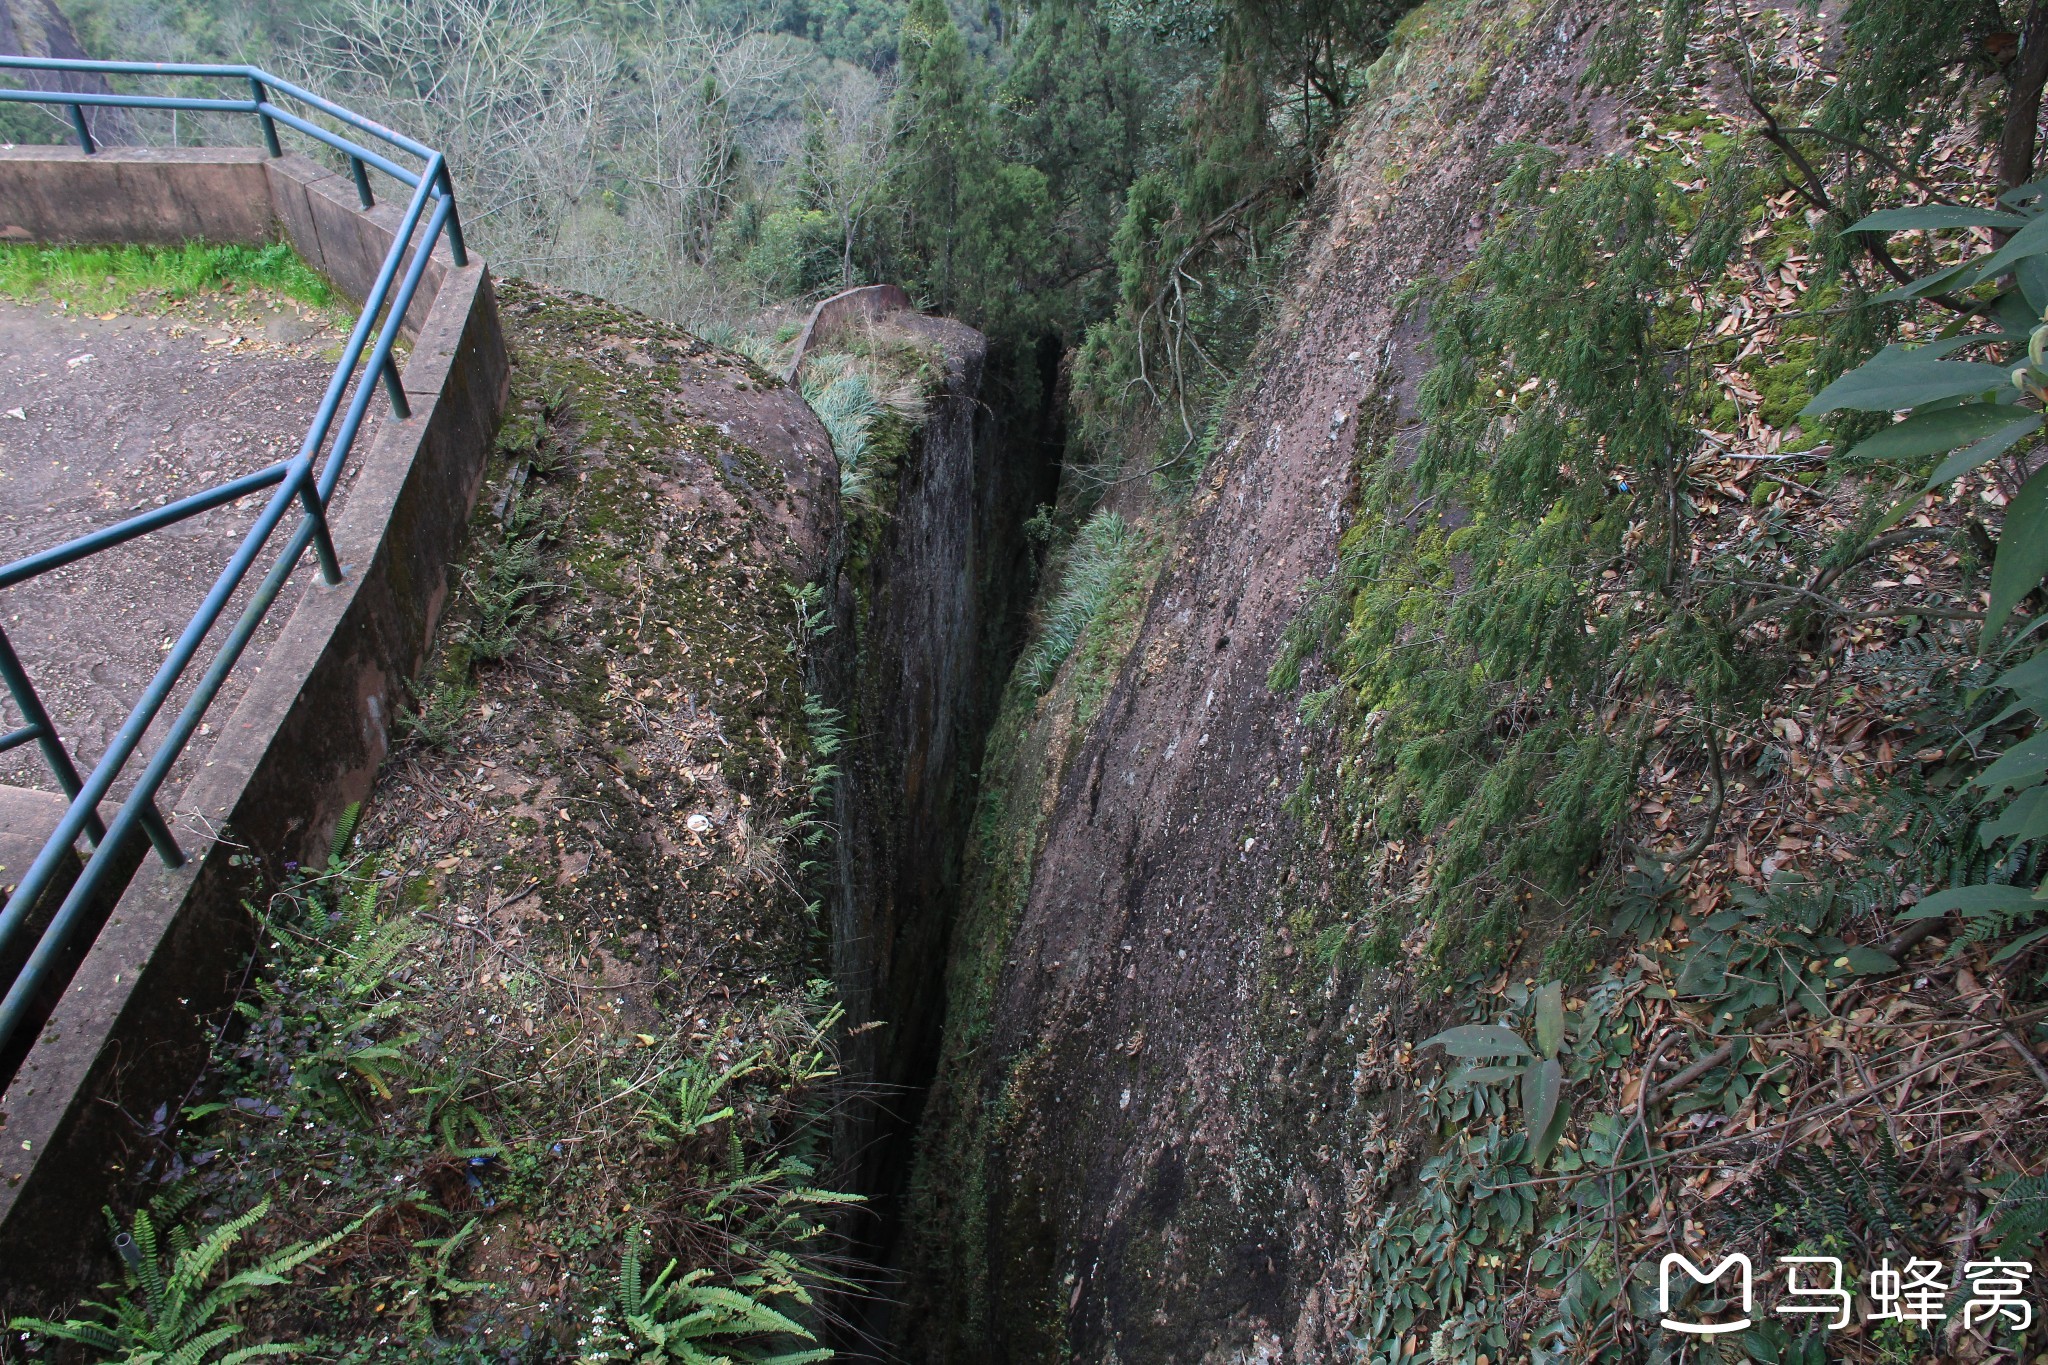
1095	569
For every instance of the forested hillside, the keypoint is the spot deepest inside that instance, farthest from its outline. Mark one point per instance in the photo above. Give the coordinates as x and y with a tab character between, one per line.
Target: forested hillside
1524	755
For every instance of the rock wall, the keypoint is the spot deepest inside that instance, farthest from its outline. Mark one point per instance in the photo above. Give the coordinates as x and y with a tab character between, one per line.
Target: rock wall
1145	1139
930	604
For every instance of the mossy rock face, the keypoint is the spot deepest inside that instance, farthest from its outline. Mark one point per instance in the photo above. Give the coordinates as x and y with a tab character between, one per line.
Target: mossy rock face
680	493
586	856
1153	1129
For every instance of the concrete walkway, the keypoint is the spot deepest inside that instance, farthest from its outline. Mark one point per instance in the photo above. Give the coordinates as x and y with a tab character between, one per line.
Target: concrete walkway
102	417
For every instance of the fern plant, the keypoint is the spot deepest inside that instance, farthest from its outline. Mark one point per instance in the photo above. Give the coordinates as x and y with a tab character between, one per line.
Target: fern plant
688	1320
1830	1197
331	942
509	589
169	1315
2019	1220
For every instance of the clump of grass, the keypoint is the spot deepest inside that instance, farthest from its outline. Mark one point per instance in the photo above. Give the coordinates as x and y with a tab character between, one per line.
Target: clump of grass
110	276
1096	564
854	396
846	403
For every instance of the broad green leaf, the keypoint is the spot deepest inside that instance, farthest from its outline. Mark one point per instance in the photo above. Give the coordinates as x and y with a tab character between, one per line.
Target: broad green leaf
1865	961
1931	433
1474	1075
1480	1040
2029	681
1936	216
2020	194
1926	284
1550	1018
2019	945
1990	448
1542	1088
2022	553
2032	274
2024	820
2014	316
1705	972
2022	765
2030	240
1906	383
1941	347
1975	902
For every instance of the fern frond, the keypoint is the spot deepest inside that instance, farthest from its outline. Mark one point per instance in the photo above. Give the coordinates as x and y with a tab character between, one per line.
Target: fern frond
196	1350
344	831
84	1333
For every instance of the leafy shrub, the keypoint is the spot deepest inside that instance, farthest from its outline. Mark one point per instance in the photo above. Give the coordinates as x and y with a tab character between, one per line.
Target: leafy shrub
796	253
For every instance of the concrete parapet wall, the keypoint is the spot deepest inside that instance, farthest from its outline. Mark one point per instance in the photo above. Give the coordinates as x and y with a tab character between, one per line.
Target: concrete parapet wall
135	1022
869	302
166	195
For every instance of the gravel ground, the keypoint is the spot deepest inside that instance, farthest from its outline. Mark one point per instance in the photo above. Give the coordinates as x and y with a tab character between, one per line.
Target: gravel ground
102	416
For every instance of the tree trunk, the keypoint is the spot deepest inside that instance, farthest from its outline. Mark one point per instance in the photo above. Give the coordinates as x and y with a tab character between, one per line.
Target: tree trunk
2023	106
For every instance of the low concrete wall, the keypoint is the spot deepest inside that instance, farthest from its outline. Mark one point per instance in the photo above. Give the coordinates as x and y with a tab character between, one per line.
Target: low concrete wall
166	195
135	1023
869	301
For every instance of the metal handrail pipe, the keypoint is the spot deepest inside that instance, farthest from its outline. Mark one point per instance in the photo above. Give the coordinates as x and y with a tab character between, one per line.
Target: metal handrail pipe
338	142
315	492
348	116
380	291
35	716
85	802
71	551
134	810
97	100
14	739
217	71
120	68
380	355
204	104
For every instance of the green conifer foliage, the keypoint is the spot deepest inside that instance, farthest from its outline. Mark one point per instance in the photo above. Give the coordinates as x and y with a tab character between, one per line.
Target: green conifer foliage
971	217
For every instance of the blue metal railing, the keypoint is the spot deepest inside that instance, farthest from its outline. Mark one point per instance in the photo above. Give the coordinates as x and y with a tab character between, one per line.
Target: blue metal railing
304	480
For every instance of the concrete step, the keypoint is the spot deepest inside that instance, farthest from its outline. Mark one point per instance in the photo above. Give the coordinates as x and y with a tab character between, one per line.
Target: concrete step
27	820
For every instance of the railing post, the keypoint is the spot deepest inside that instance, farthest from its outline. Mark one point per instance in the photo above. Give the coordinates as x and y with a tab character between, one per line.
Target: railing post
256	89
362	174
323	542
35	717
455	245
400	407
85	142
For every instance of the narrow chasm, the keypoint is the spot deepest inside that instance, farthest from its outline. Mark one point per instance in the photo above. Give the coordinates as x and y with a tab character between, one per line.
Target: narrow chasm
930	585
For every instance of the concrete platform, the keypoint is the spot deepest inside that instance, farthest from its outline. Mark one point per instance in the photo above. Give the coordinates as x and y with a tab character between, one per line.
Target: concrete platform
102	417
304	738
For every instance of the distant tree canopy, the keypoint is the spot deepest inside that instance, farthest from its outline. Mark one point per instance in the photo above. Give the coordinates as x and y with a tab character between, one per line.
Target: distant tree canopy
1115	175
